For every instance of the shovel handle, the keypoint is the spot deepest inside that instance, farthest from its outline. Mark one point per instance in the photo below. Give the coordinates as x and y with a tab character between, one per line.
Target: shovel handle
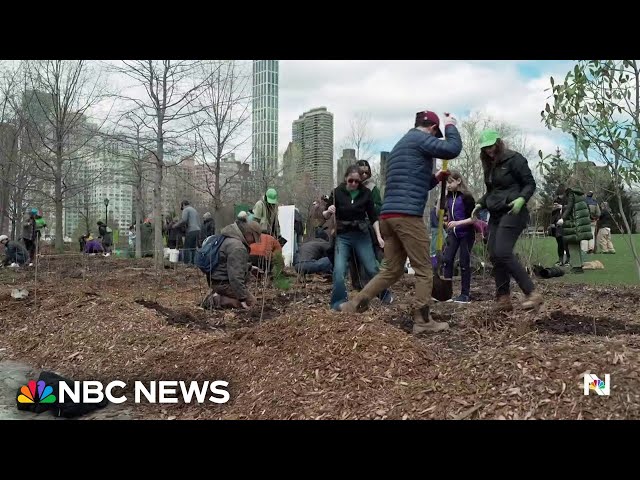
443	196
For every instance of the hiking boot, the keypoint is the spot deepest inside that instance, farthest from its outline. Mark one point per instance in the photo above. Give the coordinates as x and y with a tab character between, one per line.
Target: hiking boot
577	270
533	301
503	303
462	299
420	325
355	306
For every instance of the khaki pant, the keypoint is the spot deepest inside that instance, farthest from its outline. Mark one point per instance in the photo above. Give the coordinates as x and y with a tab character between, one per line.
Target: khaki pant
589	245
604	241
403	237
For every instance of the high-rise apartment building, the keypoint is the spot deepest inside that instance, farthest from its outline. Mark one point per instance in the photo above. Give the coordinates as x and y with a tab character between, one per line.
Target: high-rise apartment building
264	119
313	133
348	158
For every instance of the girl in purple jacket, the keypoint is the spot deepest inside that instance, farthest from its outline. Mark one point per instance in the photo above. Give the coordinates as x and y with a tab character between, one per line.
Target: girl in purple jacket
461	232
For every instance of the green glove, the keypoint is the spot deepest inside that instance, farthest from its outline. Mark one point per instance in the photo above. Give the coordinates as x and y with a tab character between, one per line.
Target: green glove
517	205
476	210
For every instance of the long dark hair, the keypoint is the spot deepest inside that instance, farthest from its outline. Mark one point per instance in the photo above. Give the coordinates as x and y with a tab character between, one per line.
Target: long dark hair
364	163
462	188
487	160
351	169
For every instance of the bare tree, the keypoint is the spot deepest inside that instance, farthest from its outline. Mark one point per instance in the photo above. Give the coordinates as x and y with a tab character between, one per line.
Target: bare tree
468	163
359	137
172	89
58	132
221	125
139	153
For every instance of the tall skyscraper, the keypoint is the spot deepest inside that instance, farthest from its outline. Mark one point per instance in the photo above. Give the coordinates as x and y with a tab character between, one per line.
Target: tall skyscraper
348	158
313	133
264	120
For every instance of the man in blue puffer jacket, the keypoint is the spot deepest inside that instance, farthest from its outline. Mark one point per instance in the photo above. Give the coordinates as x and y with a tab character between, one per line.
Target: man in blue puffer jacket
408	181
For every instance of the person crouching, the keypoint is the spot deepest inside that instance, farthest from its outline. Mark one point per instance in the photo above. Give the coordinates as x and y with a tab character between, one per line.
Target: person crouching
15	254
228	282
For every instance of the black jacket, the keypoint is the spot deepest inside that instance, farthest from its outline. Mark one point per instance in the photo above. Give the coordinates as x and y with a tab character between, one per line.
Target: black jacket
352	214
15	253
606	220
312	250
508	178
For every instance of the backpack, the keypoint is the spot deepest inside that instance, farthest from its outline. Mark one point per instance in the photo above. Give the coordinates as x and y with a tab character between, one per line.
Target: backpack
208	257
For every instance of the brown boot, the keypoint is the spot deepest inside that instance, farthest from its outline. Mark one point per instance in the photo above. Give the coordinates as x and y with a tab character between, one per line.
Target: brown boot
422	322
357	305
533	301
503	303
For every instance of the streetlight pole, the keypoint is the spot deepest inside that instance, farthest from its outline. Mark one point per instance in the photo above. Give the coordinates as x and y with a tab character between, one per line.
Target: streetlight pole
106	213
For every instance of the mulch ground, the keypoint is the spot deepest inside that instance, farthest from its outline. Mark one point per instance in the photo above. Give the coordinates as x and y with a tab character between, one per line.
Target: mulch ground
290	357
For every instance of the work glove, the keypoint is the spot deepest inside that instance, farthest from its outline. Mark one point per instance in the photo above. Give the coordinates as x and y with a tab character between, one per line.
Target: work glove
442	175
449	119
517	205
476	210
560	222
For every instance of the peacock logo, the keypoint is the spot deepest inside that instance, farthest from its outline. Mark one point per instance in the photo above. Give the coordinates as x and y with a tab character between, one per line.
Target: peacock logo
38	392
596	384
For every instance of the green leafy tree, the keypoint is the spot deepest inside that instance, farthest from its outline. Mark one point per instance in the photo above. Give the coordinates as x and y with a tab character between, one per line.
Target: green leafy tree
556	172
598	103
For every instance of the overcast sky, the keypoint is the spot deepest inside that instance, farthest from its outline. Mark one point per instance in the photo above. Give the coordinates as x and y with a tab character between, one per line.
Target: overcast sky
392	91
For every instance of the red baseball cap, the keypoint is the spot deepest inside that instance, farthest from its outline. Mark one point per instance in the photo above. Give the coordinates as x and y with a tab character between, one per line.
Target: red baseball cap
429	116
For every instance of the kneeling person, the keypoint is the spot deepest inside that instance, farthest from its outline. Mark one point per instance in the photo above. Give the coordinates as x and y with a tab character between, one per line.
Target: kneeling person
14	252
228	281
312	257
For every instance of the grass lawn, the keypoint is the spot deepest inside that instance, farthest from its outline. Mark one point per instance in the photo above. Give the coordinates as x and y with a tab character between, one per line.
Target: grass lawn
619	269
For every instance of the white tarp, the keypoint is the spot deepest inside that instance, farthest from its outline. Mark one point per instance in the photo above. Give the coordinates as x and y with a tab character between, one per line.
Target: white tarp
286	217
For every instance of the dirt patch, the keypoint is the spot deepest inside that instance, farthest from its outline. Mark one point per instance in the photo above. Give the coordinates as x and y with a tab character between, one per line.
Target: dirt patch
178	317
562	323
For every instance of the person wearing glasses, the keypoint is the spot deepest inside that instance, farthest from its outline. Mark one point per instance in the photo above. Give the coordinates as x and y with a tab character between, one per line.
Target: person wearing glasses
352	203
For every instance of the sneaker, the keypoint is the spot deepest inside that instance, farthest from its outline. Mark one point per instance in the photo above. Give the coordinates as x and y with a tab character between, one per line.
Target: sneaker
462	299
559	264
14	265
31	264
388	298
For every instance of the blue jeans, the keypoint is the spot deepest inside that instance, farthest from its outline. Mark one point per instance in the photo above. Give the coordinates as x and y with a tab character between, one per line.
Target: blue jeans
314	266
361	244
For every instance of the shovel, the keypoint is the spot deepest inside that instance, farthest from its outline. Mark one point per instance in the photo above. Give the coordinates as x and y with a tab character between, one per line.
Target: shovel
442	289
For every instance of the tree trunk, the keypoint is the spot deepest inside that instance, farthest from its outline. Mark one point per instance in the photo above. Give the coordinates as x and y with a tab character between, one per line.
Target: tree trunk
59	243
157	199
139	219
627	233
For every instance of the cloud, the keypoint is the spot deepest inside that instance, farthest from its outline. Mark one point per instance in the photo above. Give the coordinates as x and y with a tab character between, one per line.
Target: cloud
392	91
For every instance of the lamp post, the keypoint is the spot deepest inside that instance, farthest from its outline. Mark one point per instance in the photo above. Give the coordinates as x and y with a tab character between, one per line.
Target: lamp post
106	213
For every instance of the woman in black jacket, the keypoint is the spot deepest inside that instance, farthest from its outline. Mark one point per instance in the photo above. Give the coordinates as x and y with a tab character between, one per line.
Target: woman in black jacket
352	203
510	185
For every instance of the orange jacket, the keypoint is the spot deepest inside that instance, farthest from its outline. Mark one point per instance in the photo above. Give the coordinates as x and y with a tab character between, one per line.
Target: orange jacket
267	246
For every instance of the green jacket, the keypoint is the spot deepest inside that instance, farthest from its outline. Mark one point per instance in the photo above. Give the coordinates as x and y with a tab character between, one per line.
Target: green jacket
577	220
375	194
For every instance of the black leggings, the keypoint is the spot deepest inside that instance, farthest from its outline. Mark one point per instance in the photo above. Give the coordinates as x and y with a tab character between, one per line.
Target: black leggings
563	250
503	235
